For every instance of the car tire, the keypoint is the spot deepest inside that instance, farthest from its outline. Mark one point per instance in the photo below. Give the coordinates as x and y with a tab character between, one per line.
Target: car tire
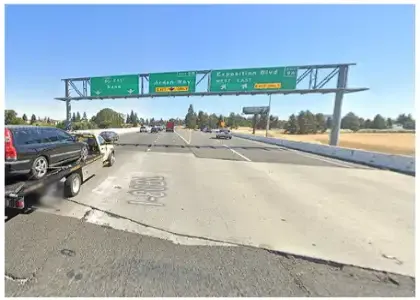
84	153
72	185
111	159
39	167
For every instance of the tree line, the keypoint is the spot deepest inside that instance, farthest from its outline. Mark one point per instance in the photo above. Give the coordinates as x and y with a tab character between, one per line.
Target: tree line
305	122
105	118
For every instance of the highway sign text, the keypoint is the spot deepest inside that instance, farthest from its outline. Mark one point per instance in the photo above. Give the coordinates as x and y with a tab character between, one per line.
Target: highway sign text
257	79
175	82
123	85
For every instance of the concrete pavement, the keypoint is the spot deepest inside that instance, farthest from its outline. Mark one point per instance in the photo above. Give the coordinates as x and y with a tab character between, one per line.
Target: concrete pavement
194	190
64	257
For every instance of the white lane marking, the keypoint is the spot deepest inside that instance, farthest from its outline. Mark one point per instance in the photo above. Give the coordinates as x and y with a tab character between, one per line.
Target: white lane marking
237	153
182	138
310	155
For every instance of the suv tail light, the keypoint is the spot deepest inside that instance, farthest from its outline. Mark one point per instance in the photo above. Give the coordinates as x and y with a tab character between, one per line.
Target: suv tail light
10	150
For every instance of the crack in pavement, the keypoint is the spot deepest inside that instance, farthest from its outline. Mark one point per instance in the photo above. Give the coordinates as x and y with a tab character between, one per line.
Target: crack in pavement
388	276
19	280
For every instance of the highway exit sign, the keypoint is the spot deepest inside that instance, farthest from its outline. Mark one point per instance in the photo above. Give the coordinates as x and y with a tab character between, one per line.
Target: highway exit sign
122	85
174	82
256	79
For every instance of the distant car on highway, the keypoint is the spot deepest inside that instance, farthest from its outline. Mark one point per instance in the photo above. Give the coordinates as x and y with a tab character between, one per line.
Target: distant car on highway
224	134
144	128
170	126
110	136
154	129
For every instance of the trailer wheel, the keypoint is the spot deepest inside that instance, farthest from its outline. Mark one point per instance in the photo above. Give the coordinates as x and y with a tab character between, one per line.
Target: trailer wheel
72	185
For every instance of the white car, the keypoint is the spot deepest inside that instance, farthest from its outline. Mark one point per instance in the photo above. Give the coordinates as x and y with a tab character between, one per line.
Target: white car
224	134
97	145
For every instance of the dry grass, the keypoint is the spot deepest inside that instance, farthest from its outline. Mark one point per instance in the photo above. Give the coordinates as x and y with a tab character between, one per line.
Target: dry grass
393	143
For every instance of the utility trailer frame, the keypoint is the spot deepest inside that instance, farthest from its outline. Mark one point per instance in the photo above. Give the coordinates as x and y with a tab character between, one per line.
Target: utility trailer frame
75	175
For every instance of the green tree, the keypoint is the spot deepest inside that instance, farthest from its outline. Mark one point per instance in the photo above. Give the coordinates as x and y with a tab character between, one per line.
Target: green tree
78	118
132	117
406	121
201	121
213	121
33	119
10	116
379	122
350	121
84	116
389	123
303	123
25	118
135	120
73	118
107	118
190	118
61	125
321	125
292	125
368	124
310	122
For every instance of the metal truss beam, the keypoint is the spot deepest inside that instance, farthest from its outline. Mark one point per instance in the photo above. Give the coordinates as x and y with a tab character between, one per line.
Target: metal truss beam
202	94
312	73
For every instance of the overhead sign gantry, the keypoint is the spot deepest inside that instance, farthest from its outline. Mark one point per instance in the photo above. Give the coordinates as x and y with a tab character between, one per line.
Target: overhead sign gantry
252	81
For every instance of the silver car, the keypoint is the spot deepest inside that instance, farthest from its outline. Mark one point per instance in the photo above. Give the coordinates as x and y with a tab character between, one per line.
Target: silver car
224	134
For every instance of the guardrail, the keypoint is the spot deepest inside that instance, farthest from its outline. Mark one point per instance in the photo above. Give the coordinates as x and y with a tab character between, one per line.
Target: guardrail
398	163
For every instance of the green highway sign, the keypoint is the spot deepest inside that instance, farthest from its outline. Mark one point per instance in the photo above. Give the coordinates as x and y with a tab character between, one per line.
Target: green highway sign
256	79
174	82
123	85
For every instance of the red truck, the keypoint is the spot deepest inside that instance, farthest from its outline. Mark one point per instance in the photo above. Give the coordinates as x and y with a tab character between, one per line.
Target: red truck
170	126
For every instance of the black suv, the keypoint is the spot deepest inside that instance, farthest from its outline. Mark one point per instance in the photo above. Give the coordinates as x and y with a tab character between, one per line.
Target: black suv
32	150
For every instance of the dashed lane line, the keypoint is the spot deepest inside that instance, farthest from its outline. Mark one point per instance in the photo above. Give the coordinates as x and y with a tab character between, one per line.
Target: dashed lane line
237	153
183	138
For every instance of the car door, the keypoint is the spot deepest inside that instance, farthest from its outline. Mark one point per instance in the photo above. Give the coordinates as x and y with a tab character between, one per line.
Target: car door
47	146
67	147
103	148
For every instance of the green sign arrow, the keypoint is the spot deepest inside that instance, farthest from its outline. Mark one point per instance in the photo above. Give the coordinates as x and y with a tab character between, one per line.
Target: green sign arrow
256	79
123	85
175	82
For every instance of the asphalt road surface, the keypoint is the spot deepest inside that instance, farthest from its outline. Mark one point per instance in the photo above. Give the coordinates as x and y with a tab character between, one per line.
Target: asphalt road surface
184	214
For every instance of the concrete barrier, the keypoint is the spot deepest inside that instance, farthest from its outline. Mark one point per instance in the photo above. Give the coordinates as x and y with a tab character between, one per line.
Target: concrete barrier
117	130
399	163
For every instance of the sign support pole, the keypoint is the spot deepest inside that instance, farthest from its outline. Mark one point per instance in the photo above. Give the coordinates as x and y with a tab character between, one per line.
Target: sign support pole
68	104
338	103
267	128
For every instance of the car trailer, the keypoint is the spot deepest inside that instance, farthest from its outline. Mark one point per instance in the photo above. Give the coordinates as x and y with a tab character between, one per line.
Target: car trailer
75	174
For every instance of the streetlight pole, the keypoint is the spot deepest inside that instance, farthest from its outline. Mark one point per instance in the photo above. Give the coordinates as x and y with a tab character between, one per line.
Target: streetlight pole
267	128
